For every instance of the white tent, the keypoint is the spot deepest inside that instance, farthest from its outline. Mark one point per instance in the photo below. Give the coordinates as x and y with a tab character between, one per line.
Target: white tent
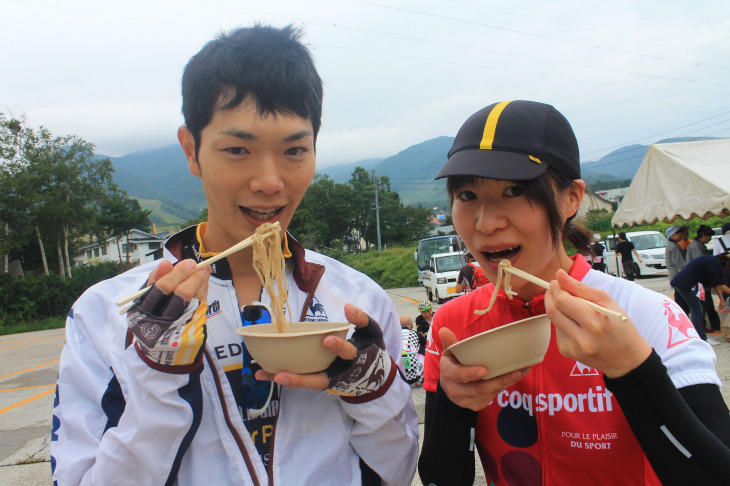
678	181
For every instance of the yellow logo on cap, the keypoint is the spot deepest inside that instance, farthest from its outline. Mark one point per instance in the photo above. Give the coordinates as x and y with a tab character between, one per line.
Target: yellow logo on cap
491	125
534	159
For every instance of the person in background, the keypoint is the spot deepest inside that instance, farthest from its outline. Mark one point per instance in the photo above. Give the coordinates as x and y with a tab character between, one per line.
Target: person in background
626	248
614	402
706	270
423	323
675	258
698	248
471	275
598	250
722	244
412	359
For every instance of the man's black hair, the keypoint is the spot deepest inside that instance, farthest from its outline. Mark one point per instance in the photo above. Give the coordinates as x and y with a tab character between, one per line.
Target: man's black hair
622	236
268	64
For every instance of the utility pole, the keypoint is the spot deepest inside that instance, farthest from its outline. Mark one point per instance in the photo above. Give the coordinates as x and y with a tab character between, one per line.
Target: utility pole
376	181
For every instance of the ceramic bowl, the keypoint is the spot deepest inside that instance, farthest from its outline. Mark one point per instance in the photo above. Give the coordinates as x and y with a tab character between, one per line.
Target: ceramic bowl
507	348
298	351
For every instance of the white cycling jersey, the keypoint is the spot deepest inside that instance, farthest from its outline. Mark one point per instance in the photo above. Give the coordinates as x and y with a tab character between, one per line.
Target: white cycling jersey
118	421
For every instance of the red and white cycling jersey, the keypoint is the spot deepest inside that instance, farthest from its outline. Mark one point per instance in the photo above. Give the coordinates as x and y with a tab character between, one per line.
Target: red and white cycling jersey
559	424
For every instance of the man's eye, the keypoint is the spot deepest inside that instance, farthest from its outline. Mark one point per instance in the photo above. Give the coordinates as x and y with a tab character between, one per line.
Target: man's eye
514	191
236	150
296	151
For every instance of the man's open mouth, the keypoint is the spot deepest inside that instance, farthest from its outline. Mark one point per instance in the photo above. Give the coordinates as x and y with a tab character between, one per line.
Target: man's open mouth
261	214
496	256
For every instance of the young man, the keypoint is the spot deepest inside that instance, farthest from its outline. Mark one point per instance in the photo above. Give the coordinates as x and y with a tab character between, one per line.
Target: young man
706	270
626	248
129	409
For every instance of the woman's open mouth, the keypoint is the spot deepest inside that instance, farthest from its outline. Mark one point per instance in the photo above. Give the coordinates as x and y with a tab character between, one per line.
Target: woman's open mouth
496	256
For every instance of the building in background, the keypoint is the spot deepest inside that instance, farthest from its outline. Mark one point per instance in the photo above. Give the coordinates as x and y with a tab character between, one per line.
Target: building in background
141	247
593	201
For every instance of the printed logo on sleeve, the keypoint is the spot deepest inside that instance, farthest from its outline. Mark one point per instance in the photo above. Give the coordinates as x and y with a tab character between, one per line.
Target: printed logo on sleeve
680	327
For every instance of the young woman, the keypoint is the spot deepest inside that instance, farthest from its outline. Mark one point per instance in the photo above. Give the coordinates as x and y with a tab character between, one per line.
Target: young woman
613	402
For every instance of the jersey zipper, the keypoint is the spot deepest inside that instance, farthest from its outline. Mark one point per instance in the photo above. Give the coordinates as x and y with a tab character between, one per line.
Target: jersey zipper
226	414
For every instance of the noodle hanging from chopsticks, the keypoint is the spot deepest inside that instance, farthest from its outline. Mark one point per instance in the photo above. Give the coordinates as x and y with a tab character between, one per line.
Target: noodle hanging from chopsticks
501	276
268	261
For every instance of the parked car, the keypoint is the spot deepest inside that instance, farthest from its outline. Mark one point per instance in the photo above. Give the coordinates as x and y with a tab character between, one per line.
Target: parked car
649	245
440	278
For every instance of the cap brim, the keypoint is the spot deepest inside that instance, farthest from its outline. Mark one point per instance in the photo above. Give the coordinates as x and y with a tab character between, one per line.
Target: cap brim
492	164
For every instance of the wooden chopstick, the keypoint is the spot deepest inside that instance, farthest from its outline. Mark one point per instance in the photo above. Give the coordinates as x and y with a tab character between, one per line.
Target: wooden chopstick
237	247
542	283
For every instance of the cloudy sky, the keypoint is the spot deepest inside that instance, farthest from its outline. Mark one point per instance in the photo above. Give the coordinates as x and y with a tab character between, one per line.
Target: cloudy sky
396	72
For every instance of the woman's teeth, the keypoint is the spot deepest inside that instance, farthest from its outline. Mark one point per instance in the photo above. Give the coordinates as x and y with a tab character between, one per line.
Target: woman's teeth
496	256
261	214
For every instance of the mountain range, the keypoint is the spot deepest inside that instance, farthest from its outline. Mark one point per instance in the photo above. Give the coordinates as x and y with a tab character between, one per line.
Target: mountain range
160	179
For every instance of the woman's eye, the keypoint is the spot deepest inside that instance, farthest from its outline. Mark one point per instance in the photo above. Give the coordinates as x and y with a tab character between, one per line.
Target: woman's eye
513	191
236	150
465	196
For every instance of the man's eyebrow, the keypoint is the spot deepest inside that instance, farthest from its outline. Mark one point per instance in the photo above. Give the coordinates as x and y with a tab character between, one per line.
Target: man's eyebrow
243	135
298	136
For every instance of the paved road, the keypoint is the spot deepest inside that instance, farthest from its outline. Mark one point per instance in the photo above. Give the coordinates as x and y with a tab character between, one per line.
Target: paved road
29	365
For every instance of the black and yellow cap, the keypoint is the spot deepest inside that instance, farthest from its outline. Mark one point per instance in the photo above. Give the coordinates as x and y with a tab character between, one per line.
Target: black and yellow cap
513	141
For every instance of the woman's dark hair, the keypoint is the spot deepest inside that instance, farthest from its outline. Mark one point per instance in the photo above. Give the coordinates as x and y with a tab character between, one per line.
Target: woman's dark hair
268	64
540	191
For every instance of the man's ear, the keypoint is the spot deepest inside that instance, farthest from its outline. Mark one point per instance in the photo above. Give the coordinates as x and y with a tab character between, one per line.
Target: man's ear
187	142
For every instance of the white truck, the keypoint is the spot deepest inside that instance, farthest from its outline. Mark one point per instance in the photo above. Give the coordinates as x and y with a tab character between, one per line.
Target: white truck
440	278
649	245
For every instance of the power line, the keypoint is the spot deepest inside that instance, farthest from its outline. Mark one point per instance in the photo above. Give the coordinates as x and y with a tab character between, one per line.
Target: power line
410	38
658	134
531	34
541	75
591	30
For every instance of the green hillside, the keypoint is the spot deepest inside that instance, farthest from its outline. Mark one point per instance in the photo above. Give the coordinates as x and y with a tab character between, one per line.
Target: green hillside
167	216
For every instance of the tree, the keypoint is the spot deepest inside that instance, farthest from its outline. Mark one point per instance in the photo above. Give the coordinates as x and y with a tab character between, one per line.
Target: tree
324	215
53	188
363	205
331	214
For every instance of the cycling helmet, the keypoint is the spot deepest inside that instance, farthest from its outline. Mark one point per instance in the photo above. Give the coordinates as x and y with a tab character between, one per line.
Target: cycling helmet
424	305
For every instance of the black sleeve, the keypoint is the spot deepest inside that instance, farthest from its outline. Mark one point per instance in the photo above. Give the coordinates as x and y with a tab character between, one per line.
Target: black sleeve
447	456
674	437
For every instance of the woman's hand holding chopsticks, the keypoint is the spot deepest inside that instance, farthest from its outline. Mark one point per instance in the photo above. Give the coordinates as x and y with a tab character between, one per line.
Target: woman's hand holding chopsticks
590	337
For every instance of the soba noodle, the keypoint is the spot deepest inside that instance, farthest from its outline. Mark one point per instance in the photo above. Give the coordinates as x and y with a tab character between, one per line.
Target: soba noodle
501	275
268	261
